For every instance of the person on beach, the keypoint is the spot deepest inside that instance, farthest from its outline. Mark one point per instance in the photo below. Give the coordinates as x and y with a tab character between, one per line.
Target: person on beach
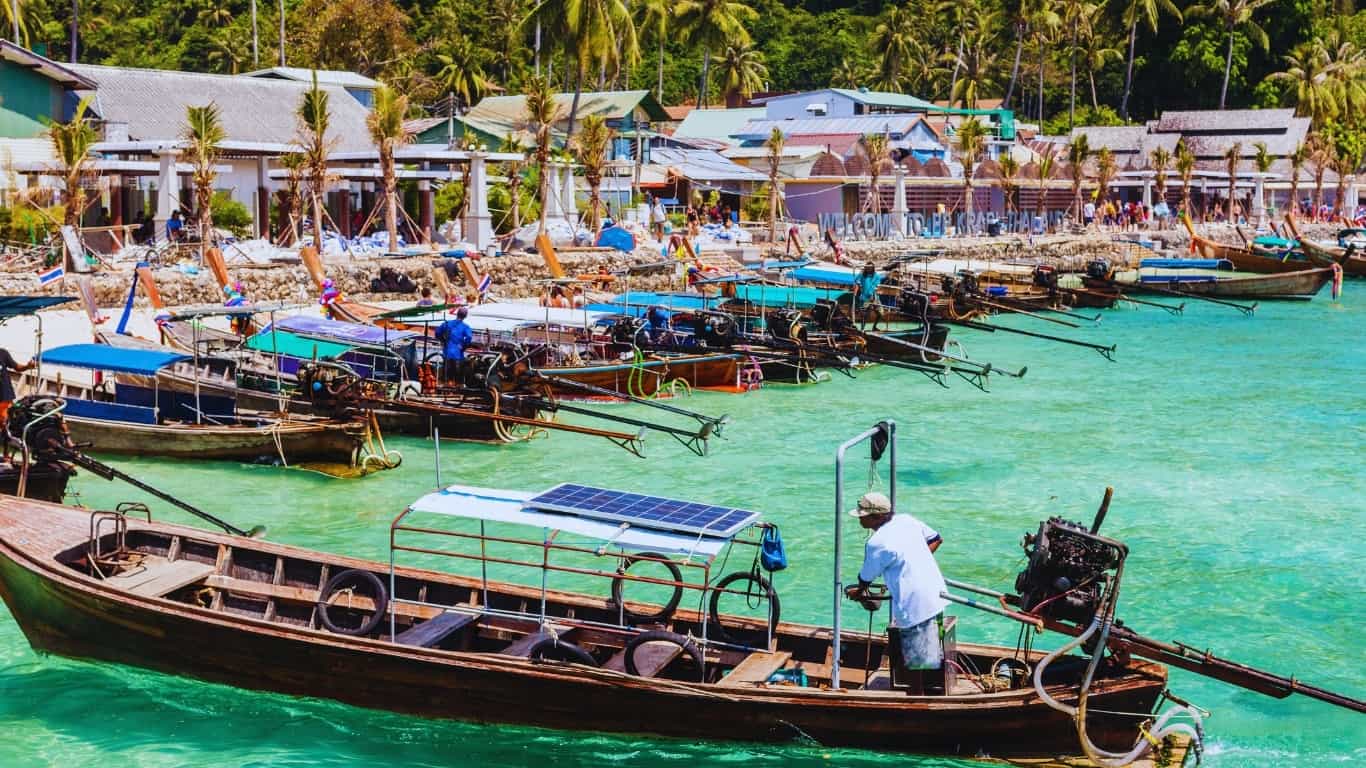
867	295
900	551
175	228
1088	213
657	217
455	337
426	300
8	365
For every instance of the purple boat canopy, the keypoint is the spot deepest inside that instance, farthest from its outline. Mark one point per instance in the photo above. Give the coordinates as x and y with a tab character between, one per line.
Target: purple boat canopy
354	334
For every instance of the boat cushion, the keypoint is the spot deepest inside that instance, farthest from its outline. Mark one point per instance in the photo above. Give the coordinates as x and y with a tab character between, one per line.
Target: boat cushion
431	632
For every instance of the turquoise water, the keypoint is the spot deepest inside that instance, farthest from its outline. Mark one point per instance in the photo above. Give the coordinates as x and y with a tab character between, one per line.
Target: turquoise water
1234	445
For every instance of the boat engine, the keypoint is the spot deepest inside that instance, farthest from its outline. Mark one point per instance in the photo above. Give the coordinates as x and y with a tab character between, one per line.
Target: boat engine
330	388
1068	572
1046	277
626	330
1098	268
714	329
786	324
47	439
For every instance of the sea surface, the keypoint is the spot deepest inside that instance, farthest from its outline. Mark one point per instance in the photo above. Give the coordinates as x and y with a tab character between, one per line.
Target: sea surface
1234	445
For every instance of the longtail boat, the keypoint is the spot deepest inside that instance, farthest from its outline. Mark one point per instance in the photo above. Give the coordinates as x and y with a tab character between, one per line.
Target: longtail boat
1249	258
1349	251
111	587
1216	281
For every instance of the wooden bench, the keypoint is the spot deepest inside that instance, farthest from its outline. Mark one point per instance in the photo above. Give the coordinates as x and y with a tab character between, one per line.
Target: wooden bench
651	658
156	577
430	633
756	668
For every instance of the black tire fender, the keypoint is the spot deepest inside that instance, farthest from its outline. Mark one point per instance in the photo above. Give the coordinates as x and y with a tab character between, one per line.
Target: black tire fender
354	577
556	649
664	613
713	605
661	635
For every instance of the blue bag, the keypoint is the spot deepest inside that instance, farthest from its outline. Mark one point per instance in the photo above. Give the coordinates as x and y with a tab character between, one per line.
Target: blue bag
772	555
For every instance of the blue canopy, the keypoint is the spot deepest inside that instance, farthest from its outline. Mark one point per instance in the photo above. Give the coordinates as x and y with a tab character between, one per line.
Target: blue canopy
102	357
16	306
1186	263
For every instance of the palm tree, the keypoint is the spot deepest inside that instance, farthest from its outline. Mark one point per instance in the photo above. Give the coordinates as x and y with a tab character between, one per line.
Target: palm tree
599	34
846	75
892	43
293	163
957	16
385	122
1105	173
774	145
1046	22
970	139
462	72
1160	160
875	147
14	15
1298	156
1348	64
1262	159
1095	53
1185	168
314	120
204	133
740	73
1234	16
71	143
1045	171
540	116
713	24
1010	168
1019	21
1321	156
512	169
978	60
1077	152
1134	11
1074	14
590	148
655	19
1310	78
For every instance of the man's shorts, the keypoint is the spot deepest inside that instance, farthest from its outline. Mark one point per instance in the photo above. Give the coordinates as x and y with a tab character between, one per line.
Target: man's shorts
922	646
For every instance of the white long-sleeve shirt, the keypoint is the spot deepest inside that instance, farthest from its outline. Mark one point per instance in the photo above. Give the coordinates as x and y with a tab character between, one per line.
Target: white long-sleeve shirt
899	554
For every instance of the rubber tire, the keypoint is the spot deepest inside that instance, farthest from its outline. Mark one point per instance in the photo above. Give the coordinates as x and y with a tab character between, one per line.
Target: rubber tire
655	635
559	650
336	582
713	605
664	613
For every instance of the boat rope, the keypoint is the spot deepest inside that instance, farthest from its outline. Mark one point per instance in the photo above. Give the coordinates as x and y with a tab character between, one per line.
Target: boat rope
279	442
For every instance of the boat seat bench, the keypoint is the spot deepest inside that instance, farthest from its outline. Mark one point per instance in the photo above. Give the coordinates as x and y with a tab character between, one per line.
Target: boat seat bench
756	668
650	658
157	577
430	633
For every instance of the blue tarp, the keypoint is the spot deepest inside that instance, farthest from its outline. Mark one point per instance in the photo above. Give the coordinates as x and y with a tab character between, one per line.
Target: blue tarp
1186	263
784	295
616	237
102	357
352	333
829	276
16	306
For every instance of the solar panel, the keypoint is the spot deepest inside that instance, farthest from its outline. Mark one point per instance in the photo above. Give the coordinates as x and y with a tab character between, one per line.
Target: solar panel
646	511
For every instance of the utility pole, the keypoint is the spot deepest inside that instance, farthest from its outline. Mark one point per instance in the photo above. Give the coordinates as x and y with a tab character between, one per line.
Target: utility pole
15	7
450	119
255	48
282	33
537	46
75	22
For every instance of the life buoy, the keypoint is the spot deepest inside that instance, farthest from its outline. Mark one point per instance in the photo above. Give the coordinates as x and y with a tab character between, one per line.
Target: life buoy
555	649
663	614
689	647
353	578
732	636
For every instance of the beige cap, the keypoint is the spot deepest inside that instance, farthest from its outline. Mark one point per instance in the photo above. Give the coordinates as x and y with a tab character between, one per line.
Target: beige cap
872	503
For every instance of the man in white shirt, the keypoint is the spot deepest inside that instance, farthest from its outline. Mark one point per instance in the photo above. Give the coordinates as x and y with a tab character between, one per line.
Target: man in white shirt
901	553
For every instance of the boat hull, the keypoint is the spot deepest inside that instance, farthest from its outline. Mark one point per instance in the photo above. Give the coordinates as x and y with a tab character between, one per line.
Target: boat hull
295	442
649	376
46	480
70	614
1292	286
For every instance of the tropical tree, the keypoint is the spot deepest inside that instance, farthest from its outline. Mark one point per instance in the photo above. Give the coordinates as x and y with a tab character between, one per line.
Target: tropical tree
14	11
461	73
1185	168
1135	11
1262	160
540	117
1160	160
1233	16
1074	15
385	122
1095	54
846	75
740	73
1233	157
970	139
713	25
512	169
590	149
1045	24
774	145
1347	63
892	44
978	59
315	118
71	143
1077	153
875	147
1010	169
1046	161
1310	82
293	164
1105	173
1321	157
203	134
1298	156
656	16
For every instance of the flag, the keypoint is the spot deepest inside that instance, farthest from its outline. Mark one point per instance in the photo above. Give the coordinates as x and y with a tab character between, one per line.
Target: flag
51	275
485	283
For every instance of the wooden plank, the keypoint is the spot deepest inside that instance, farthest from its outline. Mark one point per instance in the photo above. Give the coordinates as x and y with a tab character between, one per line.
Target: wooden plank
433	631
651	658
523	647
303	595
756	668
156	577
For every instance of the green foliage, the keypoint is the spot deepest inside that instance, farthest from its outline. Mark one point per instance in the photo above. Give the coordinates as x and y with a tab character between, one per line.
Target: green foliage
1086	115
755	208
230	215
447	201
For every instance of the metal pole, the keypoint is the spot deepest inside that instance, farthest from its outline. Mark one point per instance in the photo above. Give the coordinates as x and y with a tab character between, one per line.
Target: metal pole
436	438
839	537
282	33
255	45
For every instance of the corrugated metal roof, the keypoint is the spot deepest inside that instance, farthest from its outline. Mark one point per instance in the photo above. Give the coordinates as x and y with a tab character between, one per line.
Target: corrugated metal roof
511	110
800	152
325	77
717	124
884	99
1224	120
702	165
152	103
895	125
42	65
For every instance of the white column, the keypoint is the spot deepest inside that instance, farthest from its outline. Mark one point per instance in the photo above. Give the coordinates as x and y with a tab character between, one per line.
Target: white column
1259	201
167	189
1148	192
551	203
1353	197
478	224
899	201
571	208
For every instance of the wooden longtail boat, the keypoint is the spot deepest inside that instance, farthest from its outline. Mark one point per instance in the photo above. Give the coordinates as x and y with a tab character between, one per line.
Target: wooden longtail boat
1297	286
1247	259
1351	258
246	613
